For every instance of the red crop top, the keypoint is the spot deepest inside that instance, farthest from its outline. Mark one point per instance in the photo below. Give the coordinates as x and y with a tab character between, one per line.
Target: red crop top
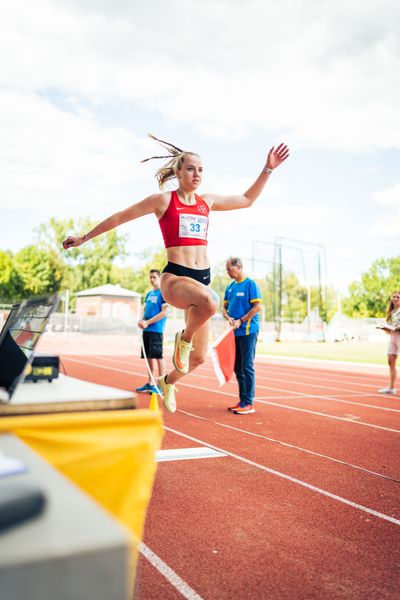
183	225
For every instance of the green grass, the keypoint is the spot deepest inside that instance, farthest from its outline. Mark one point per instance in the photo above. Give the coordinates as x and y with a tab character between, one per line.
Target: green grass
361	352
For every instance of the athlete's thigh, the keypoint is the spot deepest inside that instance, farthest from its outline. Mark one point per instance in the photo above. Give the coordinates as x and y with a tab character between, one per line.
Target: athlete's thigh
181	292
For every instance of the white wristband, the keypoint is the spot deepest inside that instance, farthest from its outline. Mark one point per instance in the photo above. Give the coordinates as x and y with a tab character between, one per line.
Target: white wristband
267	170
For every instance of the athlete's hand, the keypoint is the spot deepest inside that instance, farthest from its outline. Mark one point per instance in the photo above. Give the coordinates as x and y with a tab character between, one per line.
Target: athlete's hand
72	241
276	157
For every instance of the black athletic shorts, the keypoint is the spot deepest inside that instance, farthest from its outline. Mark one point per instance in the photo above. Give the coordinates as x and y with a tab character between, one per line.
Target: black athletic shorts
201	275
153	344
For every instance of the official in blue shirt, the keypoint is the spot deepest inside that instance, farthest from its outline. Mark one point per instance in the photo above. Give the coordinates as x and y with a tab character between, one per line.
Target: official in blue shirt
153	323
242	304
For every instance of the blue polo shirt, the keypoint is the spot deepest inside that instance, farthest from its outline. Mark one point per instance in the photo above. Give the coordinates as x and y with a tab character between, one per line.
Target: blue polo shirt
239	299
153	303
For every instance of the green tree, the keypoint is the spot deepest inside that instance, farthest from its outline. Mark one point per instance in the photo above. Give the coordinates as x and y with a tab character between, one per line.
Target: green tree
88	265
37	272
326	299
370	296
7	279
294	299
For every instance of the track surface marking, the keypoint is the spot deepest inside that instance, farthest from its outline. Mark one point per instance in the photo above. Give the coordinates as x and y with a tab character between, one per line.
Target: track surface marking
305	502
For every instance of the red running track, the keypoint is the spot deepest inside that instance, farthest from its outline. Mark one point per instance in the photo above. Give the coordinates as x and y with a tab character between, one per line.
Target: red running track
303	503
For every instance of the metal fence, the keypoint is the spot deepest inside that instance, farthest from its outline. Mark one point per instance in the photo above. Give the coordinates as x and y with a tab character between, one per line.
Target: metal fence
340	328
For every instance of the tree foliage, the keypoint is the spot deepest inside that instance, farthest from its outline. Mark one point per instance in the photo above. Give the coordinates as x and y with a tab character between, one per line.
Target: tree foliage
36	272
88	265
7	277
46	267
370	296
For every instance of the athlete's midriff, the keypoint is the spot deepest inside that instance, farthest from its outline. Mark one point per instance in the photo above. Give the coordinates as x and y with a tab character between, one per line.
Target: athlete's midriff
194	257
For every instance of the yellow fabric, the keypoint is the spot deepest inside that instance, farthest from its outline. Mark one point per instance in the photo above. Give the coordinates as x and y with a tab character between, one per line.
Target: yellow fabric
110	455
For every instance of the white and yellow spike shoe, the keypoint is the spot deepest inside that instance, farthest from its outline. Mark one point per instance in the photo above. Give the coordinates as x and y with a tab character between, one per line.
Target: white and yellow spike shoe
167	394
181	354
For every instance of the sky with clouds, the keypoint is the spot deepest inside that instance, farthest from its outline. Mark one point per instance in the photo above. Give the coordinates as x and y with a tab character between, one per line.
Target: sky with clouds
82	82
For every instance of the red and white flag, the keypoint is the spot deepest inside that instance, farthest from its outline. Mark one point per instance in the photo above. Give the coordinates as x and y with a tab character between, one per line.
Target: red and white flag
223	354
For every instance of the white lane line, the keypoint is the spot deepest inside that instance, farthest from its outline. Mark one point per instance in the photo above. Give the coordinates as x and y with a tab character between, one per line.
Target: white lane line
289	377
302	362
177	582
275	369
270	439
295	408
205	370
287	381
217	391
311	396
187	453
202	372
328	397
309	486
320	386
287	373
315	412
341	376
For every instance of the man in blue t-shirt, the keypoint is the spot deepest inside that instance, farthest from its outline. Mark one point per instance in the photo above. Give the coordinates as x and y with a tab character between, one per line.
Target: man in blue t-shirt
242	303
153	323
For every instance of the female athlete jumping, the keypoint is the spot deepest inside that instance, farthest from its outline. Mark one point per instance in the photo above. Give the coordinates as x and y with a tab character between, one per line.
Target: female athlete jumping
183	217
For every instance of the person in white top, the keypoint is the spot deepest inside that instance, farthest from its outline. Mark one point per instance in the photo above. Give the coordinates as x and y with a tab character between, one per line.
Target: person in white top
393	318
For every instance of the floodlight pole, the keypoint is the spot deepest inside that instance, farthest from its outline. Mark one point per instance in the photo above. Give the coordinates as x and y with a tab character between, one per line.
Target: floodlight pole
278	291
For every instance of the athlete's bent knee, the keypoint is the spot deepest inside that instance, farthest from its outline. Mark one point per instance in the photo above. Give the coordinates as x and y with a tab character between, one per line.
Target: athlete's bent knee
208	304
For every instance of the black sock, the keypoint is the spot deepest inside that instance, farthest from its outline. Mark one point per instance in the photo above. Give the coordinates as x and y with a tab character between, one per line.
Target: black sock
165	378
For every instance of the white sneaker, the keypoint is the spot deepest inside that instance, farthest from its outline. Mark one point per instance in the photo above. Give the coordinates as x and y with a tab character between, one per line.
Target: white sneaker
167	394
181	354
388	390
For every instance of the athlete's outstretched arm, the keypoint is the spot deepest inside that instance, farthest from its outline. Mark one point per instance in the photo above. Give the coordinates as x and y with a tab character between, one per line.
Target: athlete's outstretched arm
144	207
274	159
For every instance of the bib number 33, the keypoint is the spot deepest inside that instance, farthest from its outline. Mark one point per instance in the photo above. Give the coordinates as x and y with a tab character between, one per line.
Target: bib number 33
193	226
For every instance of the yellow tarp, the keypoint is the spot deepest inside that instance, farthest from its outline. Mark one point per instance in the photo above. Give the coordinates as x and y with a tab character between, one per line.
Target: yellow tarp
110	455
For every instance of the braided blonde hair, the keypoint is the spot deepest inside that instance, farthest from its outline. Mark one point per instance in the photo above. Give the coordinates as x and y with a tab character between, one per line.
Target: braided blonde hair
175	157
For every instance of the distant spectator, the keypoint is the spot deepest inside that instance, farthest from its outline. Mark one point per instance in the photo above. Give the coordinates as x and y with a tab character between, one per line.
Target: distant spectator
393	318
